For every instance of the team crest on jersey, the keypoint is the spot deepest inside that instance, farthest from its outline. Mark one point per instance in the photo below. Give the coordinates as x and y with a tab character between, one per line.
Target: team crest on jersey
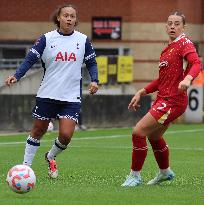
65	56
171	50
163	64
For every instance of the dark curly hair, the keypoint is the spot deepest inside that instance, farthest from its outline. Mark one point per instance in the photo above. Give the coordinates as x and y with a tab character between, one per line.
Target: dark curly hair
58	11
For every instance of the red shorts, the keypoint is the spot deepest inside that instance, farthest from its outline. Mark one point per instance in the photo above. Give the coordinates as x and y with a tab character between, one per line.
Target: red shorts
167	110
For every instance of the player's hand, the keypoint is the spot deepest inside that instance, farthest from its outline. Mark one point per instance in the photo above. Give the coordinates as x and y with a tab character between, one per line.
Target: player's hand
10	80
134	103
185	84
93	88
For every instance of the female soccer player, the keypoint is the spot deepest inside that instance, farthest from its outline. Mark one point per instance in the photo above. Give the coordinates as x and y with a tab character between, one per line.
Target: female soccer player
170	103
62	52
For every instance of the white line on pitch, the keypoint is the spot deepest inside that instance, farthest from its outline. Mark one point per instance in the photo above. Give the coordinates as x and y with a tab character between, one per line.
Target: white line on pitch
108	137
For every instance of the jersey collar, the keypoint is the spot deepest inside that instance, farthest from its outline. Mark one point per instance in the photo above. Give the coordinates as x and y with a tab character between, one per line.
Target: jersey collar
179	37
64	34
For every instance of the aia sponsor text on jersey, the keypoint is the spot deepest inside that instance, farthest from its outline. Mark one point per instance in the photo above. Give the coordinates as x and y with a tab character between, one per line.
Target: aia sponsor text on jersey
65	56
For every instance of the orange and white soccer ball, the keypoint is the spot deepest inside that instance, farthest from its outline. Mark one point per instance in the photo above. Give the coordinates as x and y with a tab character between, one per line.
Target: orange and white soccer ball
21	179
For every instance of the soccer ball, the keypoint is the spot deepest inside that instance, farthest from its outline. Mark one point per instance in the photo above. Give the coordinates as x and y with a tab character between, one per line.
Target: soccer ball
21	179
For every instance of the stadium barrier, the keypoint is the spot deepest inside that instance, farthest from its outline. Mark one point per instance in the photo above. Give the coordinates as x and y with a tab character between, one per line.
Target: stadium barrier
99	111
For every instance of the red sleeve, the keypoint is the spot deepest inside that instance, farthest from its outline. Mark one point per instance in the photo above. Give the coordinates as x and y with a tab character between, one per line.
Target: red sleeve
152	86
194	65
187	47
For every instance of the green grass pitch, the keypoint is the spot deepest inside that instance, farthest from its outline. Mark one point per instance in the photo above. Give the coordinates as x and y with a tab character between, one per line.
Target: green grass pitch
92	170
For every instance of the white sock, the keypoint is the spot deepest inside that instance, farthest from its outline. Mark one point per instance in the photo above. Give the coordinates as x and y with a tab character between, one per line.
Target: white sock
135	173
57	148
164	171
31	148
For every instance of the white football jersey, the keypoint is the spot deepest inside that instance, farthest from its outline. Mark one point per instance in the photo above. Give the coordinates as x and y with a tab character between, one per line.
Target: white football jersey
63	58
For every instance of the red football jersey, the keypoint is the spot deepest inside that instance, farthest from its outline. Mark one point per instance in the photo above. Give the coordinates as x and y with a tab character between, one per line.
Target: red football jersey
171	71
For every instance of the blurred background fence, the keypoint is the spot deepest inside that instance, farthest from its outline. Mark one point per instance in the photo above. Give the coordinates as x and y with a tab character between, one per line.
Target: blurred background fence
99	111
128	36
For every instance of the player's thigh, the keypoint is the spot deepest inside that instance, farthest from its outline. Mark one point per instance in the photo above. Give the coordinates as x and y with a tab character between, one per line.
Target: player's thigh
158	133
39	128
68	117
166	111
66	127
146	126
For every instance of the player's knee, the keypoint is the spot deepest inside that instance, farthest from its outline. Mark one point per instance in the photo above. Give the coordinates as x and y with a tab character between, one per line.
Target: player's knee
138	131
38	131
65	138
65	141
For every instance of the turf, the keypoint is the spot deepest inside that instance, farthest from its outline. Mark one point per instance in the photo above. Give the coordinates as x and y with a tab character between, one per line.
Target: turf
96	164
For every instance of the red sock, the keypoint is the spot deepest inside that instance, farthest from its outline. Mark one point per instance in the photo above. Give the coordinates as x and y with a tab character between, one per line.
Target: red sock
139	152
161	152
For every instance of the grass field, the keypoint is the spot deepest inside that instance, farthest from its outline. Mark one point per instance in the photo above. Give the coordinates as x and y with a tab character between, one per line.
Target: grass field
97	162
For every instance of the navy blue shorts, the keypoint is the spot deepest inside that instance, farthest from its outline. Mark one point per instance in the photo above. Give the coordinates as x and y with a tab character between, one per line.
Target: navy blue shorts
47	109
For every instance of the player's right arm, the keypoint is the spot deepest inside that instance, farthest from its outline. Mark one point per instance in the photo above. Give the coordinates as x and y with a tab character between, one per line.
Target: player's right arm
32	57
135	101
150	88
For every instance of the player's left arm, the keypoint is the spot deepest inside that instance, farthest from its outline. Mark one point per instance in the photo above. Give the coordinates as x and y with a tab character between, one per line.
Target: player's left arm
91	65
194	65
